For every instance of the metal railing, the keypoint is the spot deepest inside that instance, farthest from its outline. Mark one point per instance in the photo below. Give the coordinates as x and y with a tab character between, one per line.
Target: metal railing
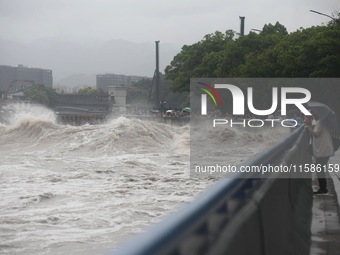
234	216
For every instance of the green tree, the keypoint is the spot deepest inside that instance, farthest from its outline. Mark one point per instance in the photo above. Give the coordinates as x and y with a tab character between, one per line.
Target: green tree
189	63
40	94
311	52
91	91
140	94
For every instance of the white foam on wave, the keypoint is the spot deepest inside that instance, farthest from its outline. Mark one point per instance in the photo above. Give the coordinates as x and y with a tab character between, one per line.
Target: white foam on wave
70	187
30	112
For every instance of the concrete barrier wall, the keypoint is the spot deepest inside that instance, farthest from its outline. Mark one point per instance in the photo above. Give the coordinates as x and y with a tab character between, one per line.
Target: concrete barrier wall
243	235
277	218
241	216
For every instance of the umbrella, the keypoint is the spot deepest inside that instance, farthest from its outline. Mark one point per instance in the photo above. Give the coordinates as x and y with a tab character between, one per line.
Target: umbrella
186	109
326	115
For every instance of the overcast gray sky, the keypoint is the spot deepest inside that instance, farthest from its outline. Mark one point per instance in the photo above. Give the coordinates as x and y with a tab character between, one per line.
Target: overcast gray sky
89	36
176	21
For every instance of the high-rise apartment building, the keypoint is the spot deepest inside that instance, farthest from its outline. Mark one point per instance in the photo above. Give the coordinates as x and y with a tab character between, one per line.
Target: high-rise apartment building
22	76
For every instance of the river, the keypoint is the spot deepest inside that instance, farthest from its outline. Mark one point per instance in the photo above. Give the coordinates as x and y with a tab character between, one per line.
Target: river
86	189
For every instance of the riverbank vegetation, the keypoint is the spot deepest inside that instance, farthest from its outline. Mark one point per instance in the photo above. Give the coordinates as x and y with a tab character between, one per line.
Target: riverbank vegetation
270	53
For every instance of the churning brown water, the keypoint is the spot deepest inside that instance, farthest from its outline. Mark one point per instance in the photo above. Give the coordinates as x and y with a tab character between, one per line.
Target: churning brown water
84	189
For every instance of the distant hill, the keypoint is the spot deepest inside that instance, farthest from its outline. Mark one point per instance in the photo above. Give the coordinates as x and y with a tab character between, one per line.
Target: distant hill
77	60
76	80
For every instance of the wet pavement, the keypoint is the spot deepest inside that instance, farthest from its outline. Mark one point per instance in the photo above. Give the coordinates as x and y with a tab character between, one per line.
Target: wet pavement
326	221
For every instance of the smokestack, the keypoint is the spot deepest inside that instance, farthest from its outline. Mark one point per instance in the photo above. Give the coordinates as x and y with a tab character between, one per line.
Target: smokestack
242	25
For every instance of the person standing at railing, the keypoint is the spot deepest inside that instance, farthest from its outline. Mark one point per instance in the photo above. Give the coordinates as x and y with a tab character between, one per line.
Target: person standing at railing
322	149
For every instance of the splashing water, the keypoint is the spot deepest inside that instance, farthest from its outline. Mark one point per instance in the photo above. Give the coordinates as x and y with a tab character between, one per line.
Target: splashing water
87	188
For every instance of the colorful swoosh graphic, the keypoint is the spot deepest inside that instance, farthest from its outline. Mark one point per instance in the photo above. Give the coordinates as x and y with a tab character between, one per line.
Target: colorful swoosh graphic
211	93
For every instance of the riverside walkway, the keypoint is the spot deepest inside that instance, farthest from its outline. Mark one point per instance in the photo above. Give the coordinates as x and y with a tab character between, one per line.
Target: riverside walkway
326	218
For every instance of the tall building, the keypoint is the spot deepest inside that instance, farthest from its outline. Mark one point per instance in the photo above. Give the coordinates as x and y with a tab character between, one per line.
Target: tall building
104	81
23	76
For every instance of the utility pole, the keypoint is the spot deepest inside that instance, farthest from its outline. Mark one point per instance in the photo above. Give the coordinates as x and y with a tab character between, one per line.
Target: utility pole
242	25
157	100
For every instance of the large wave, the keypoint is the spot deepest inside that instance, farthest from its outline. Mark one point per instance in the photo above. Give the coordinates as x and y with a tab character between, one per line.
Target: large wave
76	186
36	127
